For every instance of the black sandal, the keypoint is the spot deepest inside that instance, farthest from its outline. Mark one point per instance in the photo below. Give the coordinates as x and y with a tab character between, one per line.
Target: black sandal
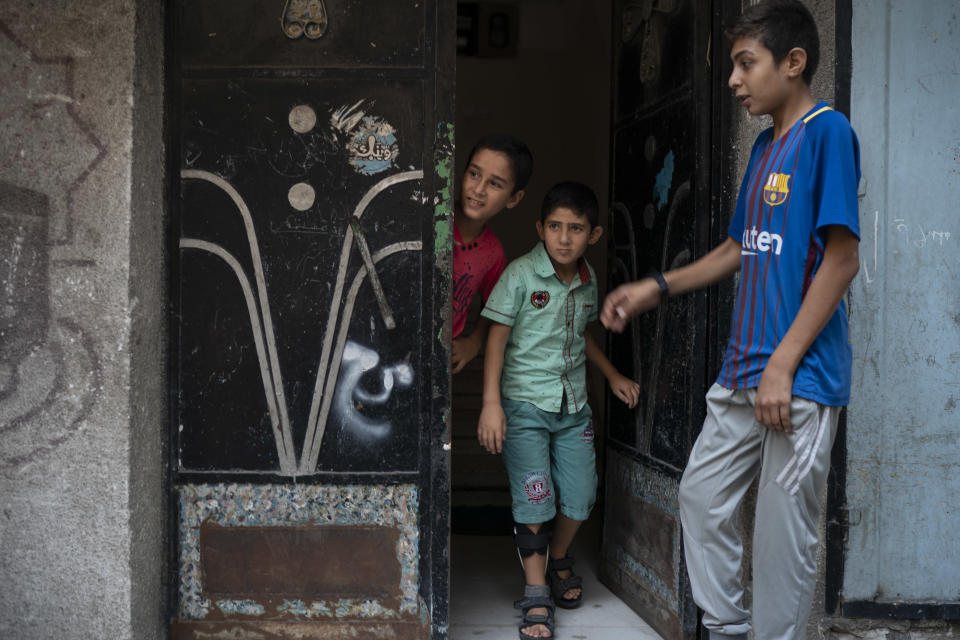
559	586
533	597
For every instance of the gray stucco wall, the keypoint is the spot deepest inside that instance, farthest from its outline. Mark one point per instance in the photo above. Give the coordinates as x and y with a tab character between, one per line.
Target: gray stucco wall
81	374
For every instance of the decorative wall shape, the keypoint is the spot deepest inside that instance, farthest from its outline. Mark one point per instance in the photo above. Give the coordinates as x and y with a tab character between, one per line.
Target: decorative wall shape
50	369
335	333
297	235
304	18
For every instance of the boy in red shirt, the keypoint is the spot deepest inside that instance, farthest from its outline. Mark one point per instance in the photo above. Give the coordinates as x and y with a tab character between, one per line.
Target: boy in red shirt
496	174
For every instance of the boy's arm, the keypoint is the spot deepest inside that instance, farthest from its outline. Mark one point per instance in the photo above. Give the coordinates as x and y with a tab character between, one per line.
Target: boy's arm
622	386
466	348
492	427
841	261
634	298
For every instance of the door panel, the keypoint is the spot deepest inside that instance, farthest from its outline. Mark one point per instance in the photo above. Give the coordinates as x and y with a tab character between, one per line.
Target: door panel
309	466
653	227
252	150
662	216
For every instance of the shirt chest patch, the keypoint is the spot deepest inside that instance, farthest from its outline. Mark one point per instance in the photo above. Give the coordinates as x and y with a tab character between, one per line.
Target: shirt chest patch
539	299
776	189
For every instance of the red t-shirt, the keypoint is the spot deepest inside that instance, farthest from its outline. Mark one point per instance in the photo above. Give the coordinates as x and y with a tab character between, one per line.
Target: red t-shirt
476	267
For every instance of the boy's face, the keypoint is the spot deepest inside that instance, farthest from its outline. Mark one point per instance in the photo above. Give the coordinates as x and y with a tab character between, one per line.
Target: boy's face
761	85
487	186
566	234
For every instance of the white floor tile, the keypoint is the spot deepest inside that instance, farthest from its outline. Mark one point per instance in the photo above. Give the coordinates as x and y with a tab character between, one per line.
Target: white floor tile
486	579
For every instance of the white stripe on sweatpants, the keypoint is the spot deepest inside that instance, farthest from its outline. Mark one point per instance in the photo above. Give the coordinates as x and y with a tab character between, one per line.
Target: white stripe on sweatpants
792	485
802	445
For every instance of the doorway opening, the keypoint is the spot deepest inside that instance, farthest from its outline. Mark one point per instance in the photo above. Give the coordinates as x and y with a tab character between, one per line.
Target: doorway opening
618	95
540	71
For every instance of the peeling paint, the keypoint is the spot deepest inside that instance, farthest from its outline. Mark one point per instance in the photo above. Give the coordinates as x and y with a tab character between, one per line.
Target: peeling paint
664	179
443	211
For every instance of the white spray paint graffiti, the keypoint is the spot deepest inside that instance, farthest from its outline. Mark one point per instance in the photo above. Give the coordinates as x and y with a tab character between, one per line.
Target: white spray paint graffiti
351	397
338	323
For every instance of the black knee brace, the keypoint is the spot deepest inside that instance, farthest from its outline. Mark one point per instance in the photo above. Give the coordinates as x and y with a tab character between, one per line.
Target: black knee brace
528	542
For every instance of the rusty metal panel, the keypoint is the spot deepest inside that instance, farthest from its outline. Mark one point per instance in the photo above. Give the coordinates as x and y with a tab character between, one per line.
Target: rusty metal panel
645	531
321	630
300	562
641	559
259	33
298	552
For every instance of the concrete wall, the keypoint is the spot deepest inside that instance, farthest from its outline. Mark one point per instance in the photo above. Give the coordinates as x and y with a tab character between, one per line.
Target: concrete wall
81	283
903	451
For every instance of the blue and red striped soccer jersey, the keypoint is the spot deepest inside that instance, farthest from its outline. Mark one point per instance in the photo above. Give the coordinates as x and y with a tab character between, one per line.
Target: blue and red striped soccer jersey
794	188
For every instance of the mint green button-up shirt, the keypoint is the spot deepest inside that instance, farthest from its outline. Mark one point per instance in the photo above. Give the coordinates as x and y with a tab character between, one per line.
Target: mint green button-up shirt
545	356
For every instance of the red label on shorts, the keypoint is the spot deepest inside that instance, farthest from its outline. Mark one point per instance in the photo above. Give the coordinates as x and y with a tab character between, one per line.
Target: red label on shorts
588	432
536	487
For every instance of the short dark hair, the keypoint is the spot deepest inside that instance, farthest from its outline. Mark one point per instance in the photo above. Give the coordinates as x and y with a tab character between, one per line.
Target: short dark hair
781	25
572	195
521	160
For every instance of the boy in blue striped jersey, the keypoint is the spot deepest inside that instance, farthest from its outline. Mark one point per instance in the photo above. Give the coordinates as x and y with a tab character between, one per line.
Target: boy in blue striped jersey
773	411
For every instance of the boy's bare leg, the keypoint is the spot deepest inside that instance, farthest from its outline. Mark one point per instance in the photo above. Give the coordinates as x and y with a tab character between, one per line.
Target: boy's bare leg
535	574
564	530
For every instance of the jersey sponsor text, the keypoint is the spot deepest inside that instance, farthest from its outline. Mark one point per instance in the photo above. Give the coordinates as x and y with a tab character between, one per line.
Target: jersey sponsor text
760	241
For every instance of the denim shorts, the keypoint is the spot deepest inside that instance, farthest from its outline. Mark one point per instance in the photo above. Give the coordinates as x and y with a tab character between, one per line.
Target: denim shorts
550	460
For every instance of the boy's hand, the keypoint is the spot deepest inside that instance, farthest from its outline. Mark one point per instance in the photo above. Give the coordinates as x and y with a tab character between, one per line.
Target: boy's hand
464	349
492	428
774	394
625	389
627	301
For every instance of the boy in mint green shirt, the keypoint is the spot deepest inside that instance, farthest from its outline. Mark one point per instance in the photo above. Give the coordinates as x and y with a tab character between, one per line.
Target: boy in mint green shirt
535	407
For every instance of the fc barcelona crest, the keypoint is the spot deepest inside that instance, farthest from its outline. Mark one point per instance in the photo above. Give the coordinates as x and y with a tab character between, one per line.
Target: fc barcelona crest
539	299
777	189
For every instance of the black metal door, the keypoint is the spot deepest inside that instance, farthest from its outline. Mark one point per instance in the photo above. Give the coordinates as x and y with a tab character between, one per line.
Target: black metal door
309	453
664	203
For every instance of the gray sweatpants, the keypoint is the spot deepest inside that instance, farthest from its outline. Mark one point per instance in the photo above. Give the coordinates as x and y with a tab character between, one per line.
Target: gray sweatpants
732	448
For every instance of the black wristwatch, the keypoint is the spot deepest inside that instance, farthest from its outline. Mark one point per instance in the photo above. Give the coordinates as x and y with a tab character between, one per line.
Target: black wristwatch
661	282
